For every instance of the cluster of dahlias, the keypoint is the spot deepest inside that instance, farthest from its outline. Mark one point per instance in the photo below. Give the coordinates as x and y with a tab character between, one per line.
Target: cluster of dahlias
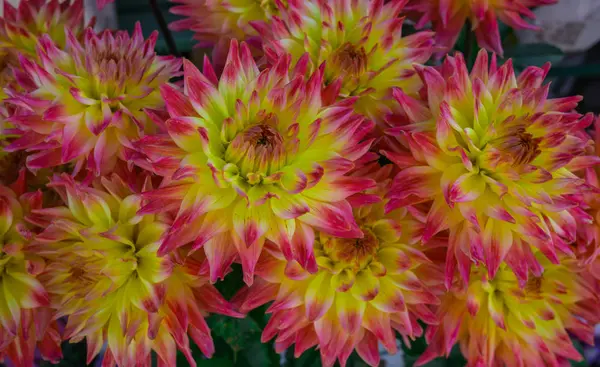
365	195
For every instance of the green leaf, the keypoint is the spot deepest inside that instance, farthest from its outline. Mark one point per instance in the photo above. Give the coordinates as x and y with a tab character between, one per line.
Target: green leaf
579	346
455	359
417	347
233	282
257	354
237	333
213	362
309	358
242	337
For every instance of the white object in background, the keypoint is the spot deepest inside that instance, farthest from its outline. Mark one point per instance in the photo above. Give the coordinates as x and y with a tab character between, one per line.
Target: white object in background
11	2
571	25
392	360
107	18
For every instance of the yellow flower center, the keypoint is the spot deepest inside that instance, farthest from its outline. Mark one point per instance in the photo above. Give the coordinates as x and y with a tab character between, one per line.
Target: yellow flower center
353	253
82	278
349	60
256	149
268	6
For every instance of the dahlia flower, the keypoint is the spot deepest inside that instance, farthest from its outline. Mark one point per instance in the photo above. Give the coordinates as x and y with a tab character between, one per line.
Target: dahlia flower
360	43
25	320
88	101
499	323
493	153
107	278
22	27
216	22
260	157
449	16
587	245
365	289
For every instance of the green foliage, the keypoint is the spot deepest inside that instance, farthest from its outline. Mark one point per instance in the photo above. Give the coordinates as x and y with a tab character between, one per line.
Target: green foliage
418	347
237	341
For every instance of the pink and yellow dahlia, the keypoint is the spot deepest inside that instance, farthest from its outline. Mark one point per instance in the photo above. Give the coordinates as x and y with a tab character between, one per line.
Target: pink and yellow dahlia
449	16
363	292
87	103
216	22
261	157
26	322
493	152
108	279
22	27
587	245
497	322
359	42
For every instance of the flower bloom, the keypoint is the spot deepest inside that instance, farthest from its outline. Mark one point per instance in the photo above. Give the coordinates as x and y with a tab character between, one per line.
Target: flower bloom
22	27
365	289
261	157
25	320
360	42
216	22
494	155
587	245
86	103
107	278
497	322
449	16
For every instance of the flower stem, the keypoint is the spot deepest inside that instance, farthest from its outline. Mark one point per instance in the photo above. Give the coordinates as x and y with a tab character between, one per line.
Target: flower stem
164	29
470	43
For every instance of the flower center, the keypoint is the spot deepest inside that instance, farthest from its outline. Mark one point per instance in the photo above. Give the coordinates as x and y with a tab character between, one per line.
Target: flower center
262	136
534	285
268	6
355	253
106	55
519	145
78	274
350	60
256	149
